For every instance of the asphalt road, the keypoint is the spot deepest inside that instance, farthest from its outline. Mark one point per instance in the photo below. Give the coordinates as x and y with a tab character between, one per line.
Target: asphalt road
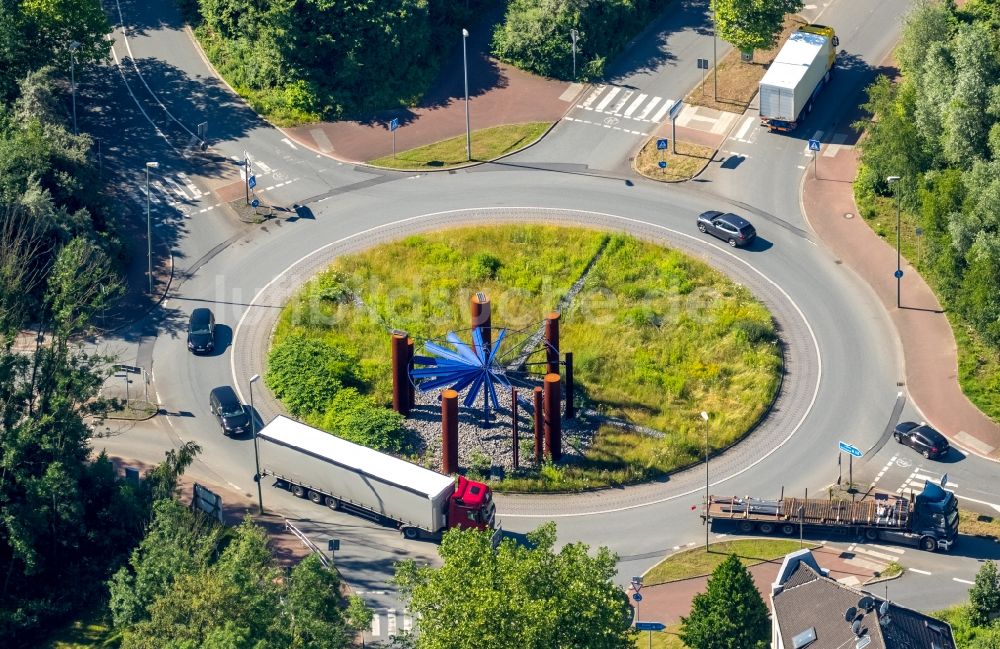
843	359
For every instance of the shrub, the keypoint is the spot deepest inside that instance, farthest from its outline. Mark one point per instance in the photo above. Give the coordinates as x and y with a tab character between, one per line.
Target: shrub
306	373
360	419
485	266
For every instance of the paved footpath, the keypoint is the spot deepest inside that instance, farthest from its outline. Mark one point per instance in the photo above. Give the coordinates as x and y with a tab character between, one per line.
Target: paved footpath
929	349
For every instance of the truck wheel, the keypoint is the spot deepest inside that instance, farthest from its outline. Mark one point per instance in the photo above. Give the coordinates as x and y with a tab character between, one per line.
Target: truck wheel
788	529
332	503
298	490
746	526
871	535
928	544
767	528
411	533
316	497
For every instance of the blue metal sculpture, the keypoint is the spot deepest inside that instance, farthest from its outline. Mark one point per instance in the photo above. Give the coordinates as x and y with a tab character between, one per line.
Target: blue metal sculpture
467	365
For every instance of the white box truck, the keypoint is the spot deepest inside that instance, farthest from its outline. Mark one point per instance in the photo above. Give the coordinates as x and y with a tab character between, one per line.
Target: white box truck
332	471
801	69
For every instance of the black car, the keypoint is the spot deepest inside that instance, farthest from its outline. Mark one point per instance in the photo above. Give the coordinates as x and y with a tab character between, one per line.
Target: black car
201	331
922	438
232	415
734	230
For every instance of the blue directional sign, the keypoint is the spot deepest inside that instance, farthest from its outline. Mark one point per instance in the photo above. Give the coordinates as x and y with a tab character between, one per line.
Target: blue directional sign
637	597
661	144
814	145
394	124
255	203
853	450
898	274
252	182
663	164
649	626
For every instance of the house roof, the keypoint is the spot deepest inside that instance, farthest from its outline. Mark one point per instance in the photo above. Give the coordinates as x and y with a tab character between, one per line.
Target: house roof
810	600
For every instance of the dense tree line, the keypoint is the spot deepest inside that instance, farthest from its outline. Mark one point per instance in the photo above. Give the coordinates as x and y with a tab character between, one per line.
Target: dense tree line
535	34
193	583
306	60
938	128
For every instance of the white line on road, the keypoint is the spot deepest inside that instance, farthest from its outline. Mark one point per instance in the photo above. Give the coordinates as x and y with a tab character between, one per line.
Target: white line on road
391	619
621	102
649	108
376	625
607	99
593	95
289	143
746	127
887	548
963	581
663	110
635	104
982	502
919	571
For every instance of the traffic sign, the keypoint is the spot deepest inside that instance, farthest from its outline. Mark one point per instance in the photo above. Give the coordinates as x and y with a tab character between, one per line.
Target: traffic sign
649	626
675	110
663	164
853	450
661	144
252	181
255	203
814	145
898	274
702	64
394	124
131	369
637	597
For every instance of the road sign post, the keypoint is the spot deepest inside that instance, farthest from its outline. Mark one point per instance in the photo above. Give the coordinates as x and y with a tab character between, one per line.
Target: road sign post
393	125
675	110
703	65
814	147
853	452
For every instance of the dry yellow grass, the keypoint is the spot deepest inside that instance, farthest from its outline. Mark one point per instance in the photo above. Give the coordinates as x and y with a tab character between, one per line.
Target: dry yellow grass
738	81
689	160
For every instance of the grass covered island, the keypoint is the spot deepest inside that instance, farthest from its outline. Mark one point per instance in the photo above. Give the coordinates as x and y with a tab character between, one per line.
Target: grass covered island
656	335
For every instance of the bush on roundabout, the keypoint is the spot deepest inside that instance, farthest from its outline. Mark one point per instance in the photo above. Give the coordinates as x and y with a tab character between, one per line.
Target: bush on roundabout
657	337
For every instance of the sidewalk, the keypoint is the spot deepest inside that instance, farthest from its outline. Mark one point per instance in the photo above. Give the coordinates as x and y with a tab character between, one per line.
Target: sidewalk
666	603
929	349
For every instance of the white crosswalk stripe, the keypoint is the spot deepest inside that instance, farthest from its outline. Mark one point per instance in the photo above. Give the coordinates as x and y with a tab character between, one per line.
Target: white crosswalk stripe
156	184
191	187
634	105
376	625
263	168
648	108
660	114
391	622
607	99
177	188
592	96
621	102
407	622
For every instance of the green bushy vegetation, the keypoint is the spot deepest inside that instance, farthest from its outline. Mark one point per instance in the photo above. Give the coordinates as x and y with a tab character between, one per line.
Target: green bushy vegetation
298	61
657	336
535	36
938	128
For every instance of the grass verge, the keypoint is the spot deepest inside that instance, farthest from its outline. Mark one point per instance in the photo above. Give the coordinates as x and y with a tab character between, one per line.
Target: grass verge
666	639
697	563
657	336
487	144
91	632
976	524
978	363
738	81
683	165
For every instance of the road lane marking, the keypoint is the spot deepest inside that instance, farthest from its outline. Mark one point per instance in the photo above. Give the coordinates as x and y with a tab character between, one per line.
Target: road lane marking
649	108
919	571
982	502
663	110
621	102
391	619
607	99
635	104
746	127
289	143
591	97
963	581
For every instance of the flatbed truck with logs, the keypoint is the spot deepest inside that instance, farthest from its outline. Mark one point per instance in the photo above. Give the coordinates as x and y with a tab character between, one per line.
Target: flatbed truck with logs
928	520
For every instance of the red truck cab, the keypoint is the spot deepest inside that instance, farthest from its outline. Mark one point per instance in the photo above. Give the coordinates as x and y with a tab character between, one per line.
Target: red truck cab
471	506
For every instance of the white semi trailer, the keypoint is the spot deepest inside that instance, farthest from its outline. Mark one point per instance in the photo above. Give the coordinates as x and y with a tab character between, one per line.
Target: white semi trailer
796	76
332	471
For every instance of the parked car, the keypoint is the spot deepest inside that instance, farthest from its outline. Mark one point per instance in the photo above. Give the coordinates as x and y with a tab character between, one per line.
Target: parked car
201	331
233	416
734	230
922	438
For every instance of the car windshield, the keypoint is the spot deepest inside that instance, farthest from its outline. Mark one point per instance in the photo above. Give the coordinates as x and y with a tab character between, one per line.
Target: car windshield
232	411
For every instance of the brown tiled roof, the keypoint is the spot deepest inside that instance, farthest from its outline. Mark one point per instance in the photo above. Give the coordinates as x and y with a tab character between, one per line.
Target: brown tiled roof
811	600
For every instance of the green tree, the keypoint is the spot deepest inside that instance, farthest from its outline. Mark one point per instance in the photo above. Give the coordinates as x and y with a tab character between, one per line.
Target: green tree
526	597
968	122
312	608
752	24
306	373
984	596
361	420
730	614
927	24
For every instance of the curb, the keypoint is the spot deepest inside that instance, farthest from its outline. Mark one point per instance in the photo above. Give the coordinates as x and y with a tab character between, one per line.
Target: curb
809	546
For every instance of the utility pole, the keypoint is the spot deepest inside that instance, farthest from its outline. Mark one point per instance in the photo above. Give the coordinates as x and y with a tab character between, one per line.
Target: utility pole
149	229
704	416
468	127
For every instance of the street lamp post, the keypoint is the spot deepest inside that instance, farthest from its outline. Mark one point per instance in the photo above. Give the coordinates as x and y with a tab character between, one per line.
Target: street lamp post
465	68
256	450
149	229
894	181
73	47
573	34
704	416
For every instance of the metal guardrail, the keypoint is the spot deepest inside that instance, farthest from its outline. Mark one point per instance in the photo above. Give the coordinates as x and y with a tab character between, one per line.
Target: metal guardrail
305	541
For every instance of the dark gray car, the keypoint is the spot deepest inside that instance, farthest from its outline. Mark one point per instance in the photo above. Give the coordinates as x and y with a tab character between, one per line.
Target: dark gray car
201	331
921	438
734	230
226	406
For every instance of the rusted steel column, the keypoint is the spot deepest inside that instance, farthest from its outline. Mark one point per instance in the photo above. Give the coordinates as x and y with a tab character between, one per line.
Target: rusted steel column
552	338
538	425
449	432
400	393
570	407
482	316
411	389
553	418
513	424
